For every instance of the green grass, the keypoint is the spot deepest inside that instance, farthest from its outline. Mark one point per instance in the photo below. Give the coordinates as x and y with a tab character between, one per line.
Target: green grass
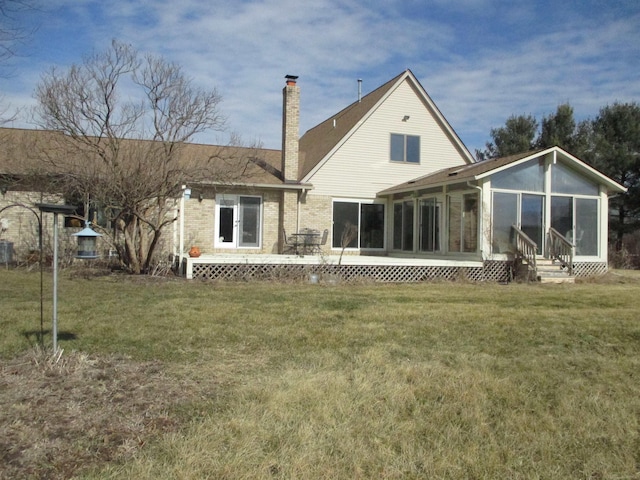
436	380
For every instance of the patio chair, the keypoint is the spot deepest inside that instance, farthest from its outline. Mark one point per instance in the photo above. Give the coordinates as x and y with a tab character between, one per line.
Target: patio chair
290	243
325	236
323	241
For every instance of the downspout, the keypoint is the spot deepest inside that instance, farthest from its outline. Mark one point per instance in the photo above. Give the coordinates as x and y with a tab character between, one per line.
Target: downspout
181	234
300	195
480	217
175	226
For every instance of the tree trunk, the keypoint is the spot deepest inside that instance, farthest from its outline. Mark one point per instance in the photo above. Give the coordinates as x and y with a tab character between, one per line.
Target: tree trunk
130	232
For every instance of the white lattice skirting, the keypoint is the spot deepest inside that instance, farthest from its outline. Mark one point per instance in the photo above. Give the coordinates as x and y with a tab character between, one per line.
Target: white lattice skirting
492	271
589	269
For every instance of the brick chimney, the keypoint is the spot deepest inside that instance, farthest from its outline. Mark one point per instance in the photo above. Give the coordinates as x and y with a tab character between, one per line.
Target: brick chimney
290	128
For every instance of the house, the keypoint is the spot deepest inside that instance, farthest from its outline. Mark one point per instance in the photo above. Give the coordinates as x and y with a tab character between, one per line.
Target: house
398	197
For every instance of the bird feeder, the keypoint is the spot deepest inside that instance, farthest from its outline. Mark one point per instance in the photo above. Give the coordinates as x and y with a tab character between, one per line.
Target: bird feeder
87	239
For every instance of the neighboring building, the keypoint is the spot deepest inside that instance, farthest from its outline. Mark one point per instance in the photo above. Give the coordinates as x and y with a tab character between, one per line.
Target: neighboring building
391	168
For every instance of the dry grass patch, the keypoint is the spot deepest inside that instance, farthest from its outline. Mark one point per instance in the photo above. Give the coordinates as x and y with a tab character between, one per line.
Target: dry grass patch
377	416
62	415
265	380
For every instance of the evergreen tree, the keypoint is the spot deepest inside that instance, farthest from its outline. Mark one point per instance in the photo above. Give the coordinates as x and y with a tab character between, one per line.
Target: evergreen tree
558	129
616	153
516	136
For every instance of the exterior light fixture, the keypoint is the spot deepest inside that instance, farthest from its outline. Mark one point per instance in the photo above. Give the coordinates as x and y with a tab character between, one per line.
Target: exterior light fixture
406	118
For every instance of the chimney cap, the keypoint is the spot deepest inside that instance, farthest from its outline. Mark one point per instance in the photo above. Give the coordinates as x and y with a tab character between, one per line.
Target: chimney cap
291	79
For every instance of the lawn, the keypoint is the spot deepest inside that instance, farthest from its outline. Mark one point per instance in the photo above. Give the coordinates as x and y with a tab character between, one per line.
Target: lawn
165	378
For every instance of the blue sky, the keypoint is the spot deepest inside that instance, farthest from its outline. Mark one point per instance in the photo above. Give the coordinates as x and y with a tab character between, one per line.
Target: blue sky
480	60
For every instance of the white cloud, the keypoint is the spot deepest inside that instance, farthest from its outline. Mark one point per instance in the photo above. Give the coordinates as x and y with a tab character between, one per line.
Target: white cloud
481	60
587	67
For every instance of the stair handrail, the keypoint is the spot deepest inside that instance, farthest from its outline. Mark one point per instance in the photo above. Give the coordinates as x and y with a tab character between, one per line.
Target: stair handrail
525	247
561	249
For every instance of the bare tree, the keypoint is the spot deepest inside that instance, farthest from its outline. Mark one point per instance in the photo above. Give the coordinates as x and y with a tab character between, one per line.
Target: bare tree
126	153
349	234
13	33
12	28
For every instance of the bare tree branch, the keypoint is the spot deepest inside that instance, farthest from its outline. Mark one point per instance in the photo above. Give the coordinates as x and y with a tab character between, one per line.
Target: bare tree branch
129	154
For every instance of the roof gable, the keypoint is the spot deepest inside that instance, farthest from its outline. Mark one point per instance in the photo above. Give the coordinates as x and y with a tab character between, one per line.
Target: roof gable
479	170
317	144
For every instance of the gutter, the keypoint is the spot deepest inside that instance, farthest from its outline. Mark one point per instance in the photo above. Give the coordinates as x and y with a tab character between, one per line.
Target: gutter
280	186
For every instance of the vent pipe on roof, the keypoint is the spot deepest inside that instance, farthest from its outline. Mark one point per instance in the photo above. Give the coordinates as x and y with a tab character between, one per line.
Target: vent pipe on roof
359	90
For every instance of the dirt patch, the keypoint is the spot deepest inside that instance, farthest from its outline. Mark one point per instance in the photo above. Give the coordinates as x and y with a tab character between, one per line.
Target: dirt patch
58	416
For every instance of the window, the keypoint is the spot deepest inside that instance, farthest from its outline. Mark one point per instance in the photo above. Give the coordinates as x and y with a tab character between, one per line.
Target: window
524	210
405	148
238	221
565	180
528	177
429	227
577	219
368	220
403	226
97	214
463	222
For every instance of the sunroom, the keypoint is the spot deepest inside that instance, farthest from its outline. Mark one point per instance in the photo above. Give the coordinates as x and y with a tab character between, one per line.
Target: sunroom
538	205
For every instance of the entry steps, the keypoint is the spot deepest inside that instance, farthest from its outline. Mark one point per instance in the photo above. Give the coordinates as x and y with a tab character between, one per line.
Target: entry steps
552	271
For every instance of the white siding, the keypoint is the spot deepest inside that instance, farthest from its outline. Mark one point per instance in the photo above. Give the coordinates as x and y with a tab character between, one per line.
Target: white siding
361	167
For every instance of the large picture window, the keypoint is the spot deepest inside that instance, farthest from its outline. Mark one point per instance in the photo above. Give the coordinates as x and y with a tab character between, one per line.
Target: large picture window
405	148
368	220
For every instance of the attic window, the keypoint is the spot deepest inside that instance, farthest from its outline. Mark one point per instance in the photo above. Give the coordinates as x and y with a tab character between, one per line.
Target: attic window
405	148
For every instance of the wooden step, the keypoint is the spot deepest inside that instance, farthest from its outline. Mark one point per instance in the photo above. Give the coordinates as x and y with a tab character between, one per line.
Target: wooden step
550	271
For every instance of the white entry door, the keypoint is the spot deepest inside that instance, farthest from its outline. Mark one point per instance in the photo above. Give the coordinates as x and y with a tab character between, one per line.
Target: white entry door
238	221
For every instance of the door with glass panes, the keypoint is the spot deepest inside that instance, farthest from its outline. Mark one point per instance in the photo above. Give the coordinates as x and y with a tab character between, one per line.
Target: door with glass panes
237	221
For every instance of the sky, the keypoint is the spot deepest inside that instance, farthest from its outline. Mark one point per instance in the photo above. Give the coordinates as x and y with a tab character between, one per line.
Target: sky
481	61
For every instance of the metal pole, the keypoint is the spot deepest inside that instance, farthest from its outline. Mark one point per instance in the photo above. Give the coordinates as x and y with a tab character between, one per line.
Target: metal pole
41	280
55	283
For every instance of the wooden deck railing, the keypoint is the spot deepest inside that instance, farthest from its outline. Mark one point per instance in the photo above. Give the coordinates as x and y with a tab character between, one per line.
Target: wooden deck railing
561	249
525	248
